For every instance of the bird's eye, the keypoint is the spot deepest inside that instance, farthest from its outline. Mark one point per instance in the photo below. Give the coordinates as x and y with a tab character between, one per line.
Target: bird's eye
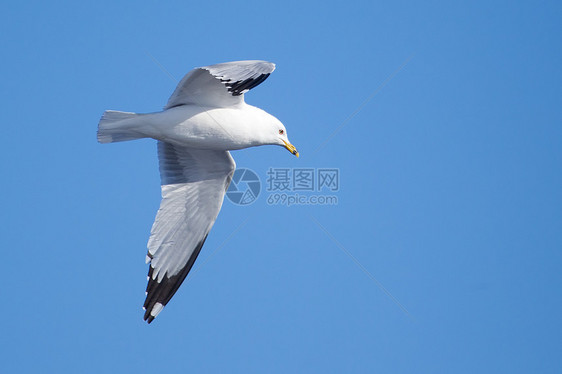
281	132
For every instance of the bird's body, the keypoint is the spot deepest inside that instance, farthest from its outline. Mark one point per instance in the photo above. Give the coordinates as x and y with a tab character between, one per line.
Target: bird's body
194	126
205	117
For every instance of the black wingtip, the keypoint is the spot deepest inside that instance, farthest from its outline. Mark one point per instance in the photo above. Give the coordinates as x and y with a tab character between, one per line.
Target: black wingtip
160	292
239	87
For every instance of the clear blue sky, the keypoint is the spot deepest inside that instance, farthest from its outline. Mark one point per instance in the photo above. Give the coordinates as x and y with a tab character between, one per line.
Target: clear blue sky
450	195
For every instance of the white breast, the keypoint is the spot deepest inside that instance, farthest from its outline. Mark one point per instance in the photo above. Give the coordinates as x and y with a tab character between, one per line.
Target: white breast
207	128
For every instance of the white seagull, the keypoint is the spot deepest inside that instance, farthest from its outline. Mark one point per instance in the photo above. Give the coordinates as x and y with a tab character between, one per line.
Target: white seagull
205	117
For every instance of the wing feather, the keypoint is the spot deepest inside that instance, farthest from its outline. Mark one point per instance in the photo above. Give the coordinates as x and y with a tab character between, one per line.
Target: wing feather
220	85
193	186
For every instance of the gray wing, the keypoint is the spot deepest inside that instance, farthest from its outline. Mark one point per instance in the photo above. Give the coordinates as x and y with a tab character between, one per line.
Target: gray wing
220	85
193	186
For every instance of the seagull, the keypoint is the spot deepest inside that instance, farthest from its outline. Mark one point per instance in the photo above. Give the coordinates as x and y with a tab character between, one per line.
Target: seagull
204	119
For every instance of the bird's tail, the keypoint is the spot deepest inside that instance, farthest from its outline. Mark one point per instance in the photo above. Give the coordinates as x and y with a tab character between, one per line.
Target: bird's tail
117	126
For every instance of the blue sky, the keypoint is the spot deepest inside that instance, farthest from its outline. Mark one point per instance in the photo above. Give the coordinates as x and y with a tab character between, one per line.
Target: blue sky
450	190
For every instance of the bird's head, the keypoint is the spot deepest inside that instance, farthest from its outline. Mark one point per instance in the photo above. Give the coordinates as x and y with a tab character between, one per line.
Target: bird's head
282	133
278	135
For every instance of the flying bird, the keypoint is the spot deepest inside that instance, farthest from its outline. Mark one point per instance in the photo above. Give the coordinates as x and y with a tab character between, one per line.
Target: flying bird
204	119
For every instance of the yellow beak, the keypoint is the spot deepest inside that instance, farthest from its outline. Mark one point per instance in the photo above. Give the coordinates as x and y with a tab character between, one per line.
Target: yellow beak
291	148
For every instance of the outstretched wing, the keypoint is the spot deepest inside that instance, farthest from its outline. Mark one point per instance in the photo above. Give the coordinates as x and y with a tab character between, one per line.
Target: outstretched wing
193	186
220	85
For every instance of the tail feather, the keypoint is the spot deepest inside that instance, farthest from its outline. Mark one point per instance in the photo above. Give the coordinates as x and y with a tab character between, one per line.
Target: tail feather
117	126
